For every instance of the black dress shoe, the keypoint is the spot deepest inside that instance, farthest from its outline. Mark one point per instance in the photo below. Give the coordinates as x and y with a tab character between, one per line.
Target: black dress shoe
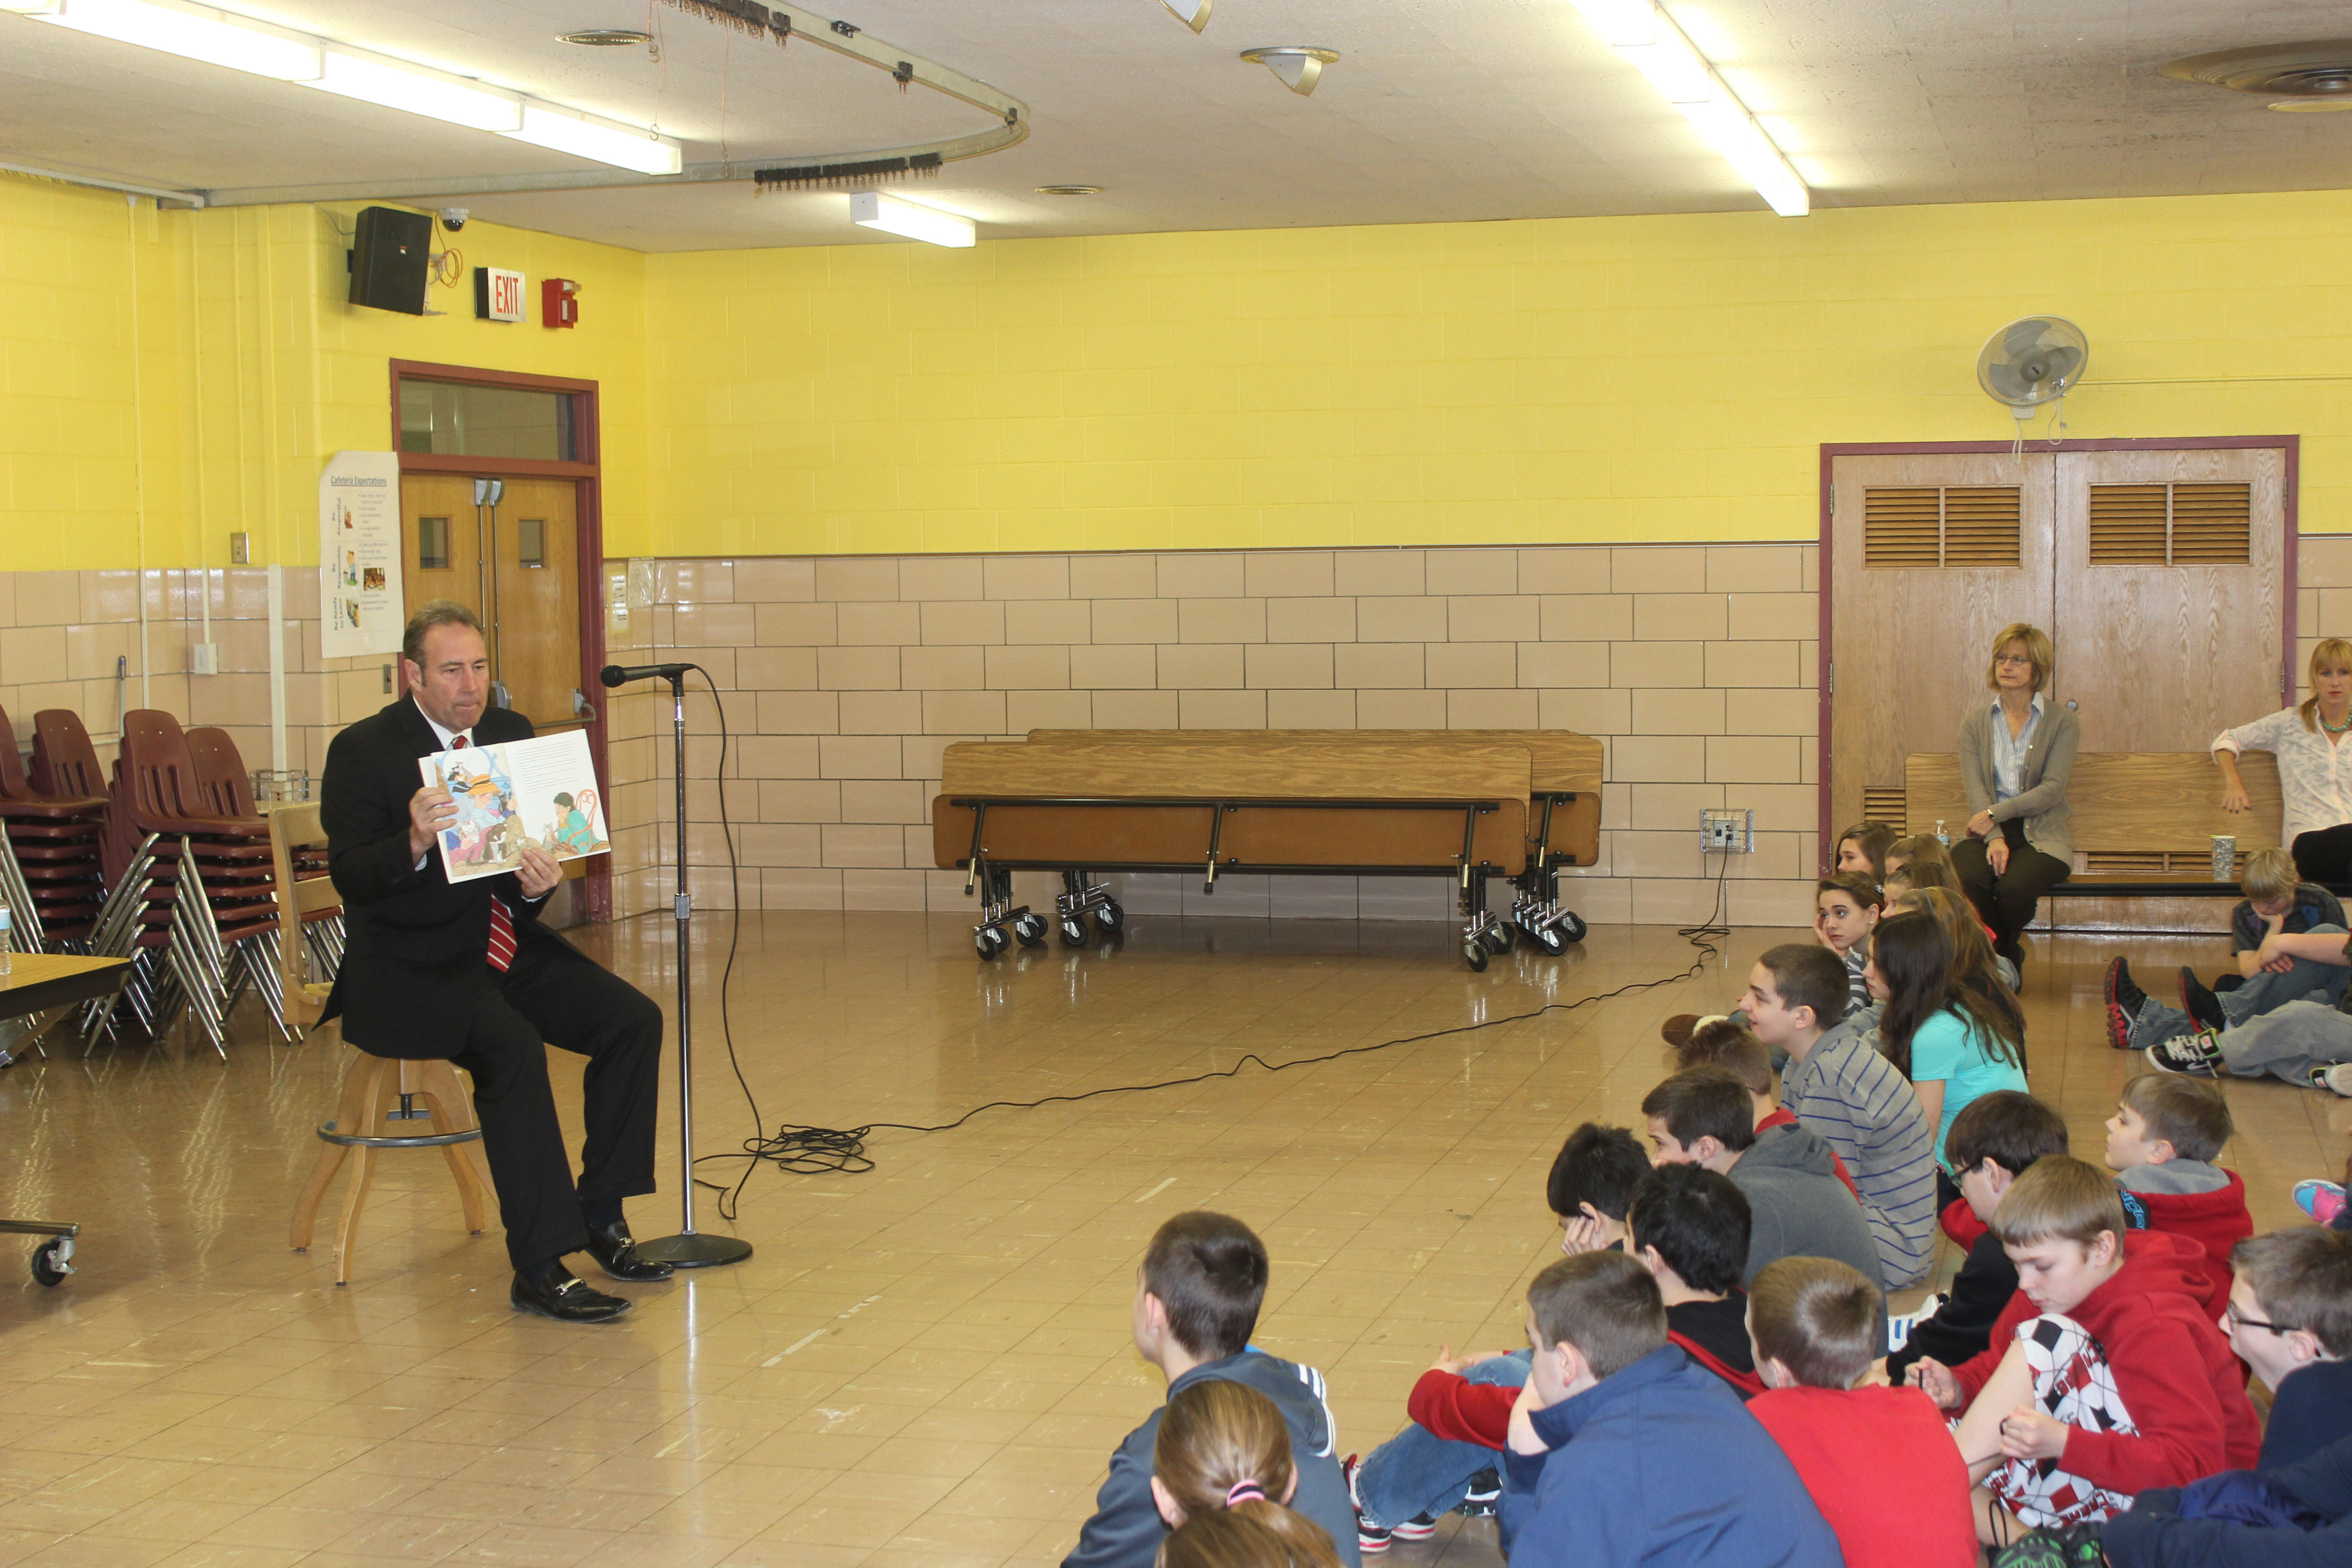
555	1291
612	1246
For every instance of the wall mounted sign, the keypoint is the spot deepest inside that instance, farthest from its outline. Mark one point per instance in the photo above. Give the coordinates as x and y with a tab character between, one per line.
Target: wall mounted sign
361	610
498	294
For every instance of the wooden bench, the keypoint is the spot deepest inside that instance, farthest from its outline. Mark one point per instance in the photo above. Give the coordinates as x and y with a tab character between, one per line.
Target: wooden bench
2143	827
1267	801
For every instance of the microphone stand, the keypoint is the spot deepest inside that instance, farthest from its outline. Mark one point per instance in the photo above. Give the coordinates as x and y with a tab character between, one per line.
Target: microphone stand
690	1248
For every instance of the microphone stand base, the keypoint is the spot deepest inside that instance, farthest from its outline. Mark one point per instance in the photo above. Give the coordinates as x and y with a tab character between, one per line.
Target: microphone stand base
694	1250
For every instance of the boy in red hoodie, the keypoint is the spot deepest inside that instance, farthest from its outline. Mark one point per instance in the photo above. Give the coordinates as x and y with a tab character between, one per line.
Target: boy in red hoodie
1811	1320
2161	1143
2105	1377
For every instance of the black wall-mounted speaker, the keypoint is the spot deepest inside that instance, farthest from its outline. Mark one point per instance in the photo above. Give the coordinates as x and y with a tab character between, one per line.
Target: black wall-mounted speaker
391	254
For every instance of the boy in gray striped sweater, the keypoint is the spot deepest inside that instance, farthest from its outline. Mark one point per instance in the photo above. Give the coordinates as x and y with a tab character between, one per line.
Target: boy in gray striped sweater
1839	1086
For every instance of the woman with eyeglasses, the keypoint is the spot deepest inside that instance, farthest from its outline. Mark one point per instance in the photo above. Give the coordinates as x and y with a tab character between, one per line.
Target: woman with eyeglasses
2017	752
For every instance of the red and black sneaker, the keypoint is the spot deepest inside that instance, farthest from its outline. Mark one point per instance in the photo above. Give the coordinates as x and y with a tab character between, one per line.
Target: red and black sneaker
2124	1002
2200	1001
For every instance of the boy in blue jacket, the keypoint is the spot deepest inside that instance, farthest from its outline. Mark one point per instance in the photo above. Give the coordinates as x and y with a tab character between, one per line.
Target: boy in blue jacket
1624	1452
1196	1303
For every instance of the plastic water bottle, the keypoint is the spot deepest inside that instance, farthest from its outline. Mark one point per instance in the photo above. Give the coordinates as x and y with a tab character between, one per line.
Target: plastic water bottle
7	935
1942	837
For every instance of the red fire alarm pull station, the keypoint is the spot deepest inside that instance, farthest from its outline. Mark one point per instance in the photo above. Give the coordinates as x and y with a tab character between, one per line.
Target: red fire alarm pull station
559	301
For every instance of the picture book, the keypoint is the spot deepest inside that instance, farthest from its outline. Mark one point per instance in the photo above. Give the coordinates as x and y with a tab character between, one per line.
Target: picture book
541	792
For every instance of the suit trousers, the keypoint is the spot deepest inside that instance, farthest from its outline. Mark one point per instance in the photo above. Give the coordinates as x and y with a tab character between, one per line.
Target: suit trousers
2007	902
555	995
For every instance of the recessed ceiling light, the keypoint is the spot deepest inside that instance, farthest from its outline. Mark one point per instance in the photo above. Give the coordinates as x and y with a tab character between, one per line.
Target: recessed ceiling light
1298	65
1069	189
607	37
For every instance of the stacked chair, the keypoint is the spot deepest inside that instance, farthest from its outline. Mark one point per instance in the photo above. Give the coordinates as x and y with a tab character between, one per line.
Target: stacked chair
51	859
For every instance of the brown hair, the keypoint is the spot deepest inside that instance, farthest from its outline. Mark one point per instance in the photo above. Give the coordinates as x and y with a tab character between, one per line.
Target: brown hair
1605	1304
1728	1047
2269	874
1872	838
2037	648
1807	975
2331	651
1975	970
1218	1438
1854	885
1817	1317
1914	955
1921	849
1255	1535
1705	1103
2009	1127
2303	1277
2191	1114
1930	874
430	614
1210	1271
2061	1197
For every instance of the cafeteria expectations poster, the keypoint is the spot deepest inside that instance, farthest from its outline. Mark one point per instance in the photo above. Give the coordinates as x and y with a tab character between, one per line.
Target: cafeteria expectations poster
360	605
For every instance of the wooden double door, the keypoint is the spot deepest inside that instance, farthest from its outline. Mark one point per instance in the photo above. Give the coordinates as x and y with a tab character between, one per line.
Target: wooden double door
2161	575
516	562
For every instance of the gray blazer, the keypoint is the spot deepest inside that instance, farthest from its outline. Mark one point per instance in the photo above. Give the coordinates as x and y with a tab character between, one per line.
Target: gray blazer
2049	762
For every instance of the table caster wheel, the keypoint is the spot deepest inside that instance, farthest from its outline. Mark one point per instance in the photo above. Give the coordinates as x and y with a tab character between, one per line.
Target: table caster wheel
1074	932
1109	918
989	942
1572	927
1498	939
1030	929
1548	938
1475	952
49	1266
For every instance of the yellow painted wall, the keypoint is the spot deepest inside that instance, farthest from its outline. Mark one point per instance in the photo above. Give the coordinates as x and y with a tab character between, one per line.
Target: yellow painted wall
172	377
1566	380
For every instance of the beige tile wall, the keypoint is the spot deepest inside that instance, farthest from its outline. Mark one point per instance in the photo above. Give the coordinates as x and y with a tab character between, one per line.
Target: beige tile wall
845	676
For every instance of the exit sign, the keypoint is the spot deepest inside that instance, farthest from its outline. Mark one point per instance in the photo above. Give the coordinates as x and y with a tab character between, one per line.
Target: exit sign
498	294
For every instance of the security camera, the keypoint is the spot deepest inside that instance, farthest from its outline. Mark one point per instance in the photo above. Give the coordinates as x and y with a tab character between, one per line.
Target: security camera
453	218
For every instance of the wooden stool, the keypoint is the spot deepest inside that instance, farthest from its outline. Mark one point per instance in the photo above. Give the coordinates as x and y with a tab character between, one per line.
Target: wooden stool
381	1089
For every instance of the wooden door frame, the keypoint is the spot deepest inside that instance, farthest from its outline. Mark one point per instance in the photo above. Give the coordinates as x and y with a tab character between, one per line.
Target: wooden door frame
585	469
2290	447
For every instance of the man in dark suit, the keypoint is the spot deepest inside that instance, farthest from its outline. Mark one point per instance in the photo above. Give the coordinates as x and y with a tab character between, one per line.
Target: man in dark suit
465	971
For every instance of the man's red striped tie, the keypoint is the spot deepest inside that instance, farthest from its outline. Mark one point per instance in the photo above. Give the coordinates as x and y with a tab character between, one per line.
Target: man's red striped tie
502	942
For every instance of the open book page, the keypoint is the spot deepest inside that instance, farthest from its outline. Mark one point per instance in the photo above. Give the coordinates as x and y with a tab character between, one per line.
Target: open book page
541	792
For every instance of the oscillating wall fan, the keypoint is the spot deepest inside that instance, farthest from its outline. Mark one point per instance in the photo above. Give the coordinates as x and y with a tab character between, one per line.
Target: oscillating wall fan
2032	361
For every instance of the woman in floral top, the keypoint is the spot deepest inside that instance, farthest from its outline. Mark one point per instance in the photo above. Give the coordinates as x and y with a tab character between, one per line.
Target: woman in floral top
2314	770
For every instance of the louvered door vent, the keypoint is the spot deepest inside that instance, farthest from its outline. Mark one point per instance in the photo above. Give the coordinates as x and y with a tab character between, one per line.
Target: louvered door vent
1883	803
2171	525
1927	526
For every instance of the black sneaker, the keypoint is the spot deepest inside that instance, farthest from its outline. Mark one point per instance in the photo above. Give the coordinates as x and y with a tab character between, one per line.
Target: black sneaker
2075	1546
2200	1002
1484	1495
2191	1056
2124	1000
1370	1537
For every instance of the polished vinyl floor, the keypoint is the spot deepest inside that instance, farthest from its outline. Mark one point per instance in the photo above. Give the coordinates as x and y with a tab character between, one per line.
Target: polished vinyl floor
926	1364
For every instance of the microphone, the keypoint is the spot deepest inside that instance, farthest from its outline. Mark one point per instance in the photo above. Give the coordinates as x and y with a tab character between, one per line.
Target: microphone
621	675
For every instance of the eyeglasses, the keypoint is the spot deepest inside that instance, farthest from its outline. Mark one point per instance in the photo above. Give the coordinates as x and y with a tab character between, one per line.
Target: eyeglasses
2013	659
2241	1320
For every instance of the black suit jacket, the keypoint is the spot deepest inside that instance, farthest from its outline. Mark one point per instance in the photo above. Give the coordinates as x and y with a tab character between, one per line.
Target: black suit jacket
415	955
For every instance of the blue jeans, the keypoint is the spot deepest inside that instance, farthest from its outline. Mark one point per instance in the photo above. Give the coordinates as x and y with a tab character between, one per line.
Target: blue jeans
2263	992
1417	1472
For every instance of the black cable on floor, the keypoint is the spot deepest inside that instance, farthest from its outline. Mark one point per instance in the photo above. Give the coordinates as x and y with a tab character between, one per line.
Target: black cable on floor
807	1151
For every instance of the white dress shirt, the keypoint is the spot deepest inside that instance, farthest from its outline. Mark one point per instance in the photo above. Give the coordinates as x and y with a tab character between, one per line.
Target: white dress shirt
2314	772
2009	750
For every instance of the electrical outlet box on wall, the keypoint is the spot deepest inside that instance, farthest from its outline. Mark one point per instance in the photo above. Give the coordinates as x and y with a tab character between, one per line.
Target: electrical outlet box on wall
203	659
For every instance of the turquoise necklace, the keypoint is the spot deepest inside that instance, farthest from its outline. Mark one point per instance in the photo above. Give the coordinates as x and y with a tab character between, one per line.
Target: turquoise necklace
2332	729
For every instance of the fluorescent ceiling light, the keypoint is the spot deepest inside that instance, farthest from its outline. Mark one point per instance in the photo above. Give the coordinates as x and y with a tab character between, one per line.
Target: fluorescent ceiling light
1649	40
603	140
419	91
223	38
196	32
872	209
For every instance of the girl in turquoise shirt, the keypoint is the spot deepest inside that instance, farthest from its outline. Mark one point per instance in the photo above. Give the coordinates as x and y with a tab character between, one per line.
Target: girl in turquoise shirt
1954	1043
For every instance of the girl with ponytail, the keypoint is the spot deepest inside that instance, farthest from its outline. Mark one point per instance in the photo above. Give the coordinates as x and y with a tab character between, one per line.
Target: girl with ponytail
2317	825
1223	1449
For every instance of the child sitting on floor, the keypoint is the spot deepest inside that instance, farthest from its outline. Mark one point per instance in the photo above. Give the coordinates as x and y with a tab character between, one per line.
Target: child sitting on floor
1811	1319
2161	1144
2106	1378
1460	1410
2290	1319
1621	1451
1996	1140
1197	1297
1721	1043
1845	908
1224	1448
2270	973
1688	1227
1862	849
1953	1044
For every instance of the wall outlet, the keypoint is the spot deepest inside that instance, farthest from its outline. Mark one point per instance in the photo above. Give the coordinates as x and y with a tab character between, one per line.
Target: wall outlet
1731	832
240	549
